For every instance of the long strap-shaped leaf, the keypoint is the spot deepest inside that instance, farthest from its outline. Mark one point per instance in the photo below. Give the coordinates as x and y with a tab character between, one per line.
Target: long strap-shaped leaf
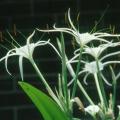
46	106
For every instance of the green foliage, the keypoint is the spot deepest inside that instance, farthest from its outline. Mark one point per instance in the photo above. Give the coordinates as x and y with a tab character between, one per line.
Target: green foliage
46	106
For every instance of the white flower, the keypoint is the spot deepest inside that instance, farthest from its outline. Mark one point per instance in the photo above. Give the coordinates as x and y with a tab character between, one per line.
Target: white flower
93	51
92	109
25	51
81	38
118	107
97	51
91	67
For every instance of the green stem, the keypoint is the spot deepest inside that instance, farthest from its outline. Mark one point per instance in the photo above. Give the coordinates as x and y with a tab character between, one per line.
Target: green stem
44	81
114	83
76	75
85	93
72	73
98	89
64	71
105	104
114	94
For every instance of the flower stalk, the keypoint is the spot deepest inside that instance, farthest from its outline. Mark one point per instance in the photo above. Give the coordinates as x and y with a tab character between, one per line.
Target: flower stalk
76	75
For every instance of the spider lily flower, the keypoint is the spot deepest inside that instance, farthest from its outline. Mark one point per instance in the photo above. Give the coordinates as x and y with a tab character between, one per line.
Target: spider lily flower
97	51
92	109
81	38
91	68
25	51
93	51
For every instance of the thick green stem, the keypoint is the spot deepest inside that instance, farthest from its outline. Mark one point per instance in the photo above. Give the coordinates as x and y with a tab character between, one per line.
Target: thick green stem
64	72
114	94
44	81
76	75
85	93
105	104
98	89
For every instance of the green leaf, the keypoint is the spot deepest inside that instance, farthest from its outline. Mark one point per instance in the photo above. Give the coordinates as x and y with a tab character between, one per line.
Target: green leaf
46	106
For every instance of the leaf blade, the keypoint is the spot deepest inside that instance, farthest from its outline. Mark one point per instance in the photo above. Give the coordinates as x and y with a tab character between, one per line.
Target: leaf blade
46	106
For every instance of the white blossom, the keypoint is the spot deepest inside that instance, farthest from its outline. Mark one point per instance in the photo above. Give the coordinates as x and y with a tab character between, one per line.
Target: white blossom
97	51
103	61
92	109
81	38
92	67
25	51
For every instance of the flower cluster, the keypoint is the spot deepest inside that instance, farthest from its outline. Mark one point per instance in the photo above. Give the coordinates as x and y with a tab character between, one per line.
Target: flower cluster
89	58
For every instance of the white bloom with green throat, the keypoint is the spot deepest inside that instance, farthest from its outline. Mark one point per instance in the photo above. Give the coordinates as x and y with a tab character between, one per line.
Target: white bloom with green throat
26	51
92	109
81	38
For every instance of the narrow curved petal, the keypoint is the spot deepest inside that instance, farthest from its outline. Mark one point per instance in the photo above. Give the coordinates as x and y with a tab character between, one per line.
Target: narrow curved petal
106	35
70	21
118	75
40	43
105	80
109	55
85	78
73	59
77	51
110	62
101	39
21	66
73	78
6	59
3	58
81	72
55	49
66	30
29	38
28	43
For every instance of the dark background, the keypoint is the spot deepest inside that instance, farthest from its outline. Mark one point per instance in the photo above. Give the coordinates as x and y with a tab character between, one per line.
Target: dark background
26	15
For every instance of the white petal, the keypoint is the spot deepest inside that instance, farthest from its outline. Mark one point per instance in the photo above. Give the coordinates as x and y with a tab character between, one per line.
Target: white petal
85	79
55	49
118	107
92	109
6	59
29	38
28	43
109	55
21	66
110	62
105	80
70	21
